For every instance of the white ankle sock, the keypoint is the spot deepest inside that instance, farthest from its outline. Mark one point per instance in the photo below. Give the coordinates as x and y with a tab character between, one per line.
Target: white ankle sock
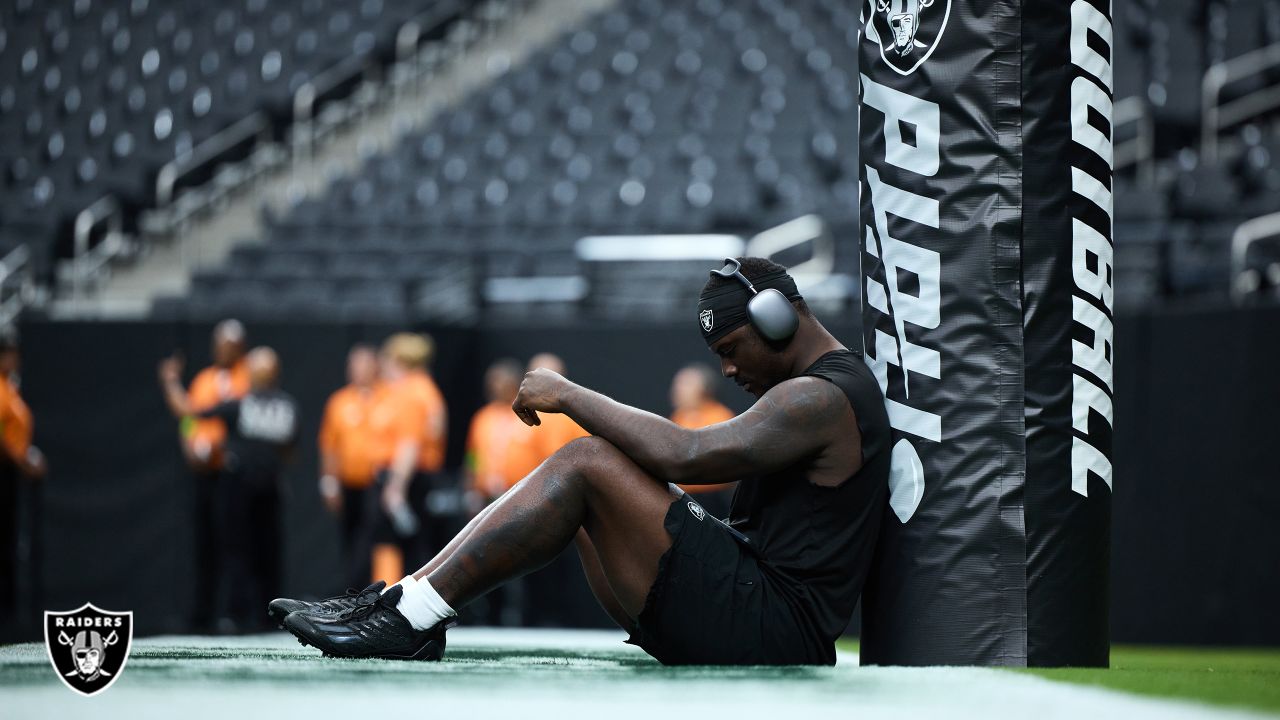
421	605
410	578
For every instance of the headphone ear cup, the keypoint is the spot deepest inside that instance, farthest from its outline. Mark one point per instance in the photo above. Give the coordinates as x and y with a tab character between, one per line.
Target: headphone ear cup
773	315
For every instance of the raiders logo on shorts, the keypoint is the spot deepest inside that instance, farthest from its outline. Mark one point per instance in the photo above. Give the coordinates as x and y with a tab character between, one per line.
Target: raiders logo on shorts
697	510
88	646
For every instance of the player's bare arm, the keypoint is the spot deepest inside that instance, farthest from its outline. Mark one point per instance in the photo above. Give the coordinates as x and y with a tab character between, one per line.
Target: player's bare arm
797	419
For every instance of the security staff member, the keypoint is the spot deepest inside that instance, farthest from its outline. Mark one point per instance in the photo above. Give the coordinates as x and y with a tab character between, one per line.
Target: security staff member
261	431
20	461
407	424
493	427
347	463
202	446
532	446
489	475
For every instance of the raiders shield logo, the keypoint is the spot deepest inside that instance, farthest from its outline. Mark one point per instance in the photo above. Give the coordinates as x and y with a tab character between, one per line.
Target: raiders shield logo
708	320
907	31
88	647
697	510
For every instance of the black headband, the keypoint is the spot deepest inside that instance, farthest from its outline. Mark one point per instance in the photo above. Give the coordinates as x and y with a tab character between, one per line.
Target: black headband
723	309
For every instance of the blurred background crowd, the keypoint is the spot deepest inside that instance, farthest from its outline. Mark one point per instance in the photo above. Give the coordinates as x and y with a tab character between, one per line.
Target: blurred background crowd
381	458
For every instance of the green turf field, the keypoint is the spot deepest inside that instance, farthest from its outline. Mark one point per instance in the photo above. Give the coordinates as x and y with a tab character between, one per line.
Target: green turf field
1233	677
1244	677
551	674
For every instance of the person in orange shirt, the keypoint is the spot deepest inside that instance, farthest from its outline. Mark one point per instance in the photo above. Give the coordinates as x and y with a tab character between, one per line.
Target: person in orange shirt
435	426
693	398
19	461
261	434
203	442
347	462
407	427
488	474
227	379
533	445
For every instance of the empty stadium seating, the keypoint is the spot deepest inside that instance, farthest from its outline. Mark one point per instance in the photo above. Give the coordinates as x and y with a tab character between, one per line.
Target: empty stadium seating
656	117
662	116
97	95
716	116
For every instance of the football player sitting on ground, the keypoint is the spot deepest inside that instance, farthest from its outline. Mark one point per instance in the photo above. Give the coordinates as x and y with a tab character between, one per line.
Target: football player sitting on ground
777	584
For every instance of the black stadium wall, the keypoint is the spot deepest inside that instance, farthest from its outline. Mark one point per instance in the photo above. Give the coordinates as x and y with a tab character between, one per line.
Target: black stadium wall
1194	537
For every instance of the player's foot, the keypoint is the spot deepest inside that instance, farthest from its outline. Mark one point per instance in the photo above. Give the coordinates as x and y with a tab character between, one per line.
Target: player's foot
281	607
375	629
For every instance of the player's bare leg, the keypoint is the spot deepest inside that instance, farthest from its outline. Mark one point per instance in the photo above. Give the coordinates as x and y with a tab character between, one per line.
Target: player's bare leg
455	543
586	551
590	485
587	487
600	584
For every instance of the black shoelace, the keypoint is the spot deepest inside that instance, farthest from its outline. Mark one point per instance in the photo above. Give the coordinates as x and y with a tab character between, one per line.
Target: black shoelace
364	608
358	595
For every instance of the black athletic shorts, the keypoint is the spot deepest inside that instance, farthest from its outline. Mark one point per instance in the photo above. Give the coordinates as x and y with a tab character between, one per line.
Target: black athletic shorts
717	602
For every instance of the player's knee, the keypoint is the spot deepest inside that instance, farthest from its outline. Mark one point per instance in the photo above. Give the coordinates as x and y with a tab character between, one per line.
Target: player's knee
591	454
576	463
590	449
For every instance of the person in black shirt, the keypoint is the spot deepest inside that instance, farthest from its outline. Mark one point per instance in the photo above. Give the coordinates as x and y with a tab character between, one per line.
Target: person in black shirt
262	430
777	584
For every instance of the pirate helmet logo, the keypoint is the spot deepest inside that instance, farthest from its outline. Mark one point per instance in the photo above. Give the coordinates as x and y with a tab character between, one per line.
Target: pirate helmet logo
708	320
907	31
88	646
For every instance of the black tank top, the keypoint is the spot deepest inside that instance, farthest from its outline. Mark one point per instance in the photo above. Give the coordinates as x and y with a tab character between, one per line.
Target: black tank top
817	541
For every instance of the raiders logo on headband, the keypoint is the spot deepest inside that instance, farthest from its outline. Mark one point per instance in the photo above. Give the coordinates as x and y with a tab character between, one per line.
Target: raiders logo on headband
907	31
708	320
88	646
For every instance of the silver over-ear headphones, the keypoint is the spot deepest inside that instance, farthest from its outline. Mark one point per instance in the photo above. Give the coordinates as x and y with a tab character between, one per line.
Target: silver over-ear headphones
770	312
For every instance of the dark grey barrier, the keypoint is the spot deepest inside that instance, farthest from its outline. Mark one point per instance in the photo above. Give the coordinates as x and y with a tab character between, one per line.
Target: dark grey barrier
1194	534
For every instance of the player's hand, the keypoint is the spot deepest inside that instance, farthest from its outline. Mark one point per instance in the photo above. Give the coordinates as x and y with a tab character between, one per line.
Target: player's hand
541	390
170	369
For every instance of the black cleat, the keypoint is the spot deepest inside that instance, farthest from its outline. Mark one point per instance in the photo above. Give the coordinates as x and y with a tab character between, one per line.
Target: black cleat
371	630
281	607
